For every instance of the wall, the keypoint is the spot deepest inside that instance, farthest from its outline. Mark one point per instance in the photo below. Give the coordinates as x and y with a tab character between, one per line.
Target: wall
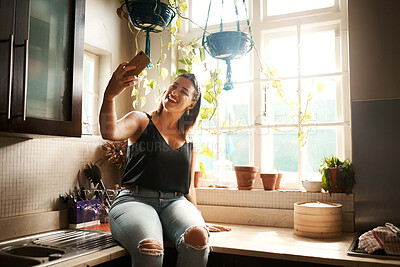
34	171
109	37
374	45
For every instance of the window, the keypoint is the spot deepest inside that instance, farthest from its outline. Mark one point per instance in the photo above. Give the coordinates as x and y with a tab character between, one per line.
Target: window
90	94
306	41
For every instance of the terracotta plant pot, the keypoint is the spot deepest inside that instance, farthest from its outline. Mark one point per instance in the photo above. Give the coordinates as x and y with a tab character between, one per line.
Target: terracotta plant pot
269	180
278	181
334	175
245	176
197	176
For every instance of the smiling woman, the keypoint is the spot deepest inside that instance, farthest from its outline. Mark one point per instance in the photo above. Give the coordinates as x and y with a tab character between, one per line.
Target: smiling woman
159	173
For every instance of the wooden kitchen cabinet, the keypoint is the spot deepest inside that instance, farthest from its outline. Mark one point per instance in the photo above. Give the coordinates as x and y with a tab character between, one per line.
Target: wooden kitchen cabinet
41	57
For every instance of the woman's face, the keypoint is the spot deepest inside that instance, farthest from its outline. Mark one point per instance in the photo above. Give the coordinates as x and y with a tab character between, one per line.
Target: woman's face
179	96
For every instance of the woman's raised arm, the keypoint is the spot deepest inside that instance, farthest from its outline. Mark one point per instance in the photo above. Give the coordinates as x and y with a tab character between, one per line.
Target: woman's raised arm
110	127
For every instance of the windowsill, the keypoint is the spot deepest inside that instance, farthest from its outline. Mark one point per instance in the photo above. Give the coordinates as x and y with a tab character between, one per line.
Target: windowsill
265	208
274	199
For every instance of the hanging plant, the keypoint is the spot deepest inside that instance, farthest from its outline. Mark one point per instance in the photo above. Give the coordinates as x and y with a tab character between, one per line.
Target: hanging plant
148	16
228	45
158	16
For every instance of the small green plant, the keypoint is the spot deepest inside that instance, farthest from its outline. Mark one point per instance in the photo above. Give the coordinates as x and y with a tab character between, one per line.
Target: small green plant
346	173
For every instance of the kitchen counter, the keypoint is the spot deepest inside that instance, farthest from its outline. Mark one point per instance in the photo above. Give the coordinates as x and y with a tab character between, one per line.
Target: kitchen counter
262	242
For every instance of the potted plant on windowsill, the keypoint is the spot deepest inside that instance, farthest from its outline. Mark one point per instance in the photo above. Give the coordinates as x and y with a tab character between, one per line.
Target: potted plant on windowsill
245	176
337	176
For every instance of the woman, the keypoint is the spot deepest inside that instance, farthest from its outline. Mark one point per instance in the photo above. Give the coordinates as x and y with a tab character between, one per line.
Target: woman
159	200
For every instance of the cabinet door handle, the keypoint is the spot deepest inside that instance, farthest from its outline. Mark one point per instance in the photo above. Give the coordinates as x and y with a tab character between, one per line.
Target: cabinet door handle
11	66
26	78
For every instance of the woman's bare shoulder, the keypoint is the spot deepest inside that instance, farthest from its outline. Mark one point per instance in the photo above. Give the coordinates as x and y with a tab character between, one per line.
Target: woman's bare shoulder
141	121
136	114
138	118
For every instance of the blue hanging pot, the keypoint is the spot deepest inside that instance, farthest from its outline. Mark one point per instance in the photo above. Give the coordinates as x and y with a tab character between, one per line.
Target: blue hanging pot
149	16
228	44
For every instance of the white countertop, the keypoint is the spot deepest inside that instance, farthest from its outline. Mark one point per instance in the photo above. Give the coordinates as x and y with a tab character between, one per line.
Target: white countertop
263	242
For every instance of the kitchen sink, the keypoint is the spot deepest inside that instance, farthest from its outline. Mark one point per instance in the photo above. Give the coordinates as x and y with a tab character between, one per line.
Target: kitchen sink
10	260
35	251
53	247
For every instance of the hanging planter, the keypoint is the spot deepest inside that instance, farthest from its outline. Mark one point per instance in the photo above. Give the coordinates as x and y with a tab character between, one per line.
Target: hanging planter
228	45
148	16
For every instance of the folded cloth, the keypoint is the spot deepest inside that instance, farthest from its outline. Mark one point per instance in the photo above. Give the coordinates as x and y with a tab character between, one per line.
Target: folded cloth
381	237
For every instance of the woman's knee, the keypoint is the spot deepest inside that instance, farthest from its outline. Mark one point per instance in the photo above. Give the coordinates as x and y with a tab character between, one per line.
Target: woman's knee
196	237
150	247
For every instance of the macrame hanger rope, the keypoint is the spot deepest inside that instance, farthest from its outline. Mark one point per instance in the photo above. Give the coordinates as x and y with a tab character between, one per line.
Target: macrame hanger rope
237	17
205	28
221	25
248	21
147	51
228	84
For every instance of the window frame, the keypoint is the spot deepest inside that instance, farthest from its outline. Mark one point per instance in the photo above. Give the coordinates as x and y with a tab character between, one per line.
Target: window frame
335	16
95	94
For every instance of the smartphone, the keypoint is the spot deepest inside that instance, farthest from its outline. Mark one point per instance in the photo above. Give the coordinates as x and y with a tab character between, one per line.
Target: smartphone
141	60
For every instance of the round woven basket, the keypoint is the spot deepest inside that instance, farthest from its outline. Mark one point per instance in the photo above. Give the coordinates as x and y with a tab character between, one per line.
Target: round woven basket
148	15
228	44
317	219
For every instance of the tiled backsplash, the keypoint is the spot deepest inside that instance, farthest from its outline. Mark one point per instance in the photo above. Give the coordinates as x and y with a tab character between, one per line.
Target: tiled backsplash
259	198
34	172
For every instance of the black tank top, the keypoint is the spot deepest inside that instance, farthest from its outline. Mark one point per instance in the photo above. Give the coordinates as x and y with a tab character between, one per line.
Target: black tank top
153	164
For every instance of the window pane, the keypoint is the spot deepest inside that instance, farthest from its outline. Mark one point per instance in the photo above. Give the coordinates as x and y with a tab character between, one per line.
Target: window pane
89	107
318	52
199	11
87	114
281	53
202	71
322	104
279	7
236	146
241	69
233	150
206	122
280	152
321	142
277	111
234	106
89	76
90	94
209	140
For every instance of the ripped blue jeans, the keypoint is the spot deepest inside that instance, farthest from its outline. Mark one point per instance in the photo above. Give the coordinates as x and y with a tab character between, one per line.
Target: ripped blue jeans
142	216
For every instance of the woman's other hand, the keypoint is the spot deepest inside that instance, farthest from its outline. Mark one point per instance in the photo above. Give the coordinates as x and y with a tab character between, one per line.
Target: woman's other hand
119	81
217	228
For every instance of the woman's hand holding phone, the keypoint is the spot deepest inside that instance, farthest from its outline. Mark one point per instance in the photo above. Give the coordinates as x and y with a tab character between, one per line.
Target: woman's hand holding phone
119	81
126	75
